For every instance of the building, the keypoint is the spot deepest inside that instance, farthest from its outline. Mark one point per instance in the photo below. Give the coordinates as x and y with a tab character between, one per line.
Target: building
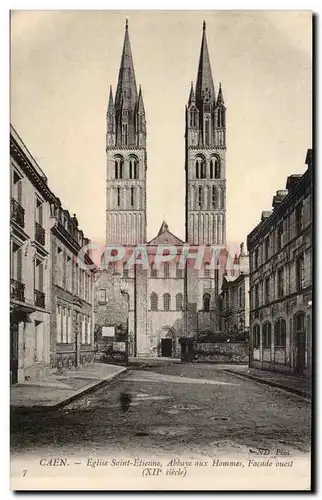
30	265
51	303
168	303
280	251
72	321
235	298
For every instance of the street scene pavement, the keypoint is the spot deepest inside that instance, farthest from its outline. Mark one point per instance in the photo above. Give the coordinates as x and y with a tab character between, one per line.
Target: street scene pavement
177	407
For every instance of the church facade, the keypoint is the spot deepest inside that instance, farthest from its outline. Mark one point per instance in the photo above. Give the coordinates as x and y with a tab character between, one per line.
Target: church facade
166	302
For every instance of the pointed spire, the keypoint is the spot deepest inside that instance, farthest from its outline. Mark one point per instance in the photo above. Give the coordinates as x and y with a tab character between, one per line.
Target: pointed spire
110	107
192	97
204	78
126	92
164	227
140	108
220	97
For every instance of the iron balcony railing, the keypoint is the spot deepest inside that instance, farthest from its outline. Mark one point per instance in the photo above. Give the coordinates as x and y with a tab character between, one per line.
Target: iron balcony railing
17	290
39	234
17	213
39	298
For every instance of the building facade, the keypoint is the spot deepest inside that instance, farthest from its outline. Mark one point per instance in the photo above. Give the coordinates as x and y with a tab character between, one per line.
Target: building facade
280	251
51	285
167	303
30	265
72	311
235	298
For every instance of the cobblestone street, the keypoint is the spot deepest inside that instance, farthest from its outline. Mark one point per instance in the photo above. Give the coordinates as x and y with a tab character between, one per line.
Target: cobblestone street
191	408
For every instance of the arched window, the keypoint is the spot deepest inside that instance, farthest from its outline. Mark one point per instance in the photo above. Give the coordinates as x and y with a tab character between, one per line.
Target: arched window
118	196
134	171
217	168
132	196
256	336
213	197
154	301
166	302
207	131
166	270
179	301
200	197
267	334
206	302
299	322
200	168
280	333
118	167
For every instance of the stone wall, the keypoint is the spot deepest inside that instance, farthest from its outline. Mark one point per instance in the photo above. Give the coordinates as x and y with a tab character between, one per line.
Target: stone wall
222	352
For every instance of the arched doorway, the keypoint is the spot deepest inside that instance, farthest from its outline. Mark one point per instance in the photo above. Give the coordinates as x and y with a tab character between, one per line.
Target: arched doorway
166	343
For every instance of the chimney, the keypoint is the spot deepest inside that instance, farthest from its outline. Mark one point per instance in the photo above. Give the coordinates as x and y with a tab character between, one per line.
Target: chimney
292	180
279	197
266	214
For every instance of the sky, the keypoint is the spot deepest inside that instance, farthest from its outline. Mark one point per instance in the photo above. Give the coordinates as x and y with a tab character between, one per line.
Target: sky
63	62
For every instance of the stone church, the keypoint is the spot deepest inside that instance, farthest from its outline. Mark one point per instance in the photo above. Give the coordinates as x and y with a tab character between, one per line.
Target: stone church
168	303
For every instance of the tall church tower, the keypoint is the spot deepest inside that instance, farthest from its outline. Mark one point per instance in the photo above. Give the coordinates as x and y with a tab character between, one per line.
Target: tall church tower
126	157
205	158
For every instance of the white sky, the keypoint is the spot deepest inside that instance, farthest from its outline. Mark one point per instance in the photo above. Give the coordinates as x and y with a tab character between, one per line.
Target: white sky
62	63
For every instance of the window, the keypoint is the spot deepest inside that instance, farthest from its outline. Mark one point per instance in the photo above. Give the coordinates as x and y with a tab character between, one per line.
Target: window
193	118
154	301
125	270
300	272
118	196
58	323
256	296
256	258
132	196
124	134
166	270
133	168
299	218
200	168
299	322
102	296
200	197
280	333
280	231
256	336
179	273
267	334
213	197
166	302
220	118
179	301
211	168
216	281
217	169
64	326
207	131
280	283
266	248
267	289
69	329
89	330
206	302
118	168
154	272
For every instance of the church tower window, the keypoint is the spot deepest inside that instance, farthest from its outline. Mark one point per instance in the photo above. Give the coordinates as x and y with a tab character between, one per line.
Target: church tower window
207	131
217	168
118	196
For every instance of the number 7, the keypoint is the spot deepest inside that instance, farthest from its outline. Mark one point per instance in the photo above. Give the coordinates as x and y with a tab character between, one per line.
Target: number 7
24	472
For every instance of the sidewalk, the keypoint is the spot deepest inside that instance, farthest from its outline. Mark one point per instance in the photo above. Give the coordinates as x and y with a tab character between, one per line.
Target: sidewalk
59	389
290	383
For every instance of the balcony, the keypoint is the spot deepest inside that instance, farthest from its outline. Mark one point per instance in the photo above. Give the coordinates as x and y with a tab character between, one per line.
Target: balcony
17	213
17	290
39	234
39	299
